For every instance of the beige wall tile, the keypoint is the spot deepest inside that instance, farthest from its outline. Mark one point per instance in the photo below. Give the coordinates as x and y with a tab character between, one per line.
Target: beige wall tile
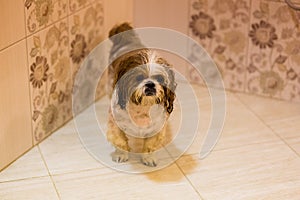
15	126
164	14
12	22
116	12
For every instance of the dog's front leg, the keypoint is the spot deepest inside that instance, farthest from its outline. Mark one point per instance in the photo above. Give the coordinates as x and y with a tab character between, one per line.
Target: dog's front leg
120	142
152	144
118	138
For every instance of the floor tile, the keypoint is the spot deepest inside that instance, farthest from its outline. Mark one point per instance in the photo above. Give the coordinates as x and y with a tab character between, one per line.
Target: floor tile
282	117
168	183
63	152
270	110
287	128
28	189
294	143
29	165
258	171
241	126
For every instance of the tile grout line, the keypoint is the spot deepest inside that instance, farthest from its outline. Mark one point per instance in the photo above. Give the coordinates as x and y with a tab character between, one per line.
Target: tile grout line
189	181
69	14
78	171
247	47
28	77
49	174
45	27
273	131
12	44
23	179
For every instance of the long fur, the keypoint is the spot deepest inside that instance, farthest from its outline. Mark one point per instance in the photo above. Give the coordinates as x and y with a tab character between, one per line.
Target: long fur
129	74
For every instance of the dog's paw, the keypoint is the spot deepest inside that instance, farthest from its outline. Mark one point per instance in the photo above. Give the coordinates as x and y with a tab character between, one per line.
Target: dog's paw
120	156
149	160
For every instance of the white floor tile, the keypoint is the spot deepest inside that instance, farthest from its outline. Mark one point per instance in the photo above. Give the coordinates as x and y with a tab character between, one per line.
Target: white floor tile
168	183
258	171
270	110
29	165
28	189
63	152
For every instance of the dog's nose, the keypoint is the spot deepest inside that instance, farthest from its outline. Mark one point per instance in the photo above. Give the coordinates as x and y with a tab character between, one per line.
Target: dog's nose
150	84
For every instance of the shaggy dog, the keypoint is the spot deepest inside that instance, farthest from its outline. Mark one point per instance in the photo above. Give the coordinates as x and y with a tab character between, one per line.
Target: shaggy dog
142	86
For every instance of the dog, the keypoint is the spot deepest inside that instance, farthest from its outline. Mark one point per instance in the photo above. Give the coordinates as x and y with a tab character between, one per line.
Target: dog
142	91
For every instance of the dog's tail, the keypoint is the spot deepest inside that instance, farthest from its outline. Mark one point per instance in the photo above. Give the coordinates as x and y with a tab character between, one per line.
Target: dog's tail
123	38
119	29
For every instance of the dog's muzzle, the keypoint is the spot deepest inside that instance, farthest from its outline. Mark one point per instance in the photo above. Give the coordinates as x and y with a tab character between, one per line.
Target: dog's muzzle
150	89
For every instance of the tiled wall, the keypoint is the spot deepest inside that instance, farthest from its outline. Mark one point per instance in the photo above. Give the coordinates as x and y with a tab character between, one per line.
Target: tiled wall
42	45
54	55
255	44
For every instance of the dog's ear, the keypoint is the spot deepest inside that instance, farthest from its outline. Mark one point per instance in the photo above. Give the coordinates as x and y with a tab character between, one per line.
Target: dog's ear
121	87
121	97
169	100
170	91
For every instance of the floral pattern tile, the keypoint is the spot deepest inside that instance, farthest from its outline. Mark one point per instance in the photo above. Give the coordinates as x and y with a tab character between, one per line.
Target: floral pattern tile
221	27
274	51
50	79
86	30
256	47
75	5
41	13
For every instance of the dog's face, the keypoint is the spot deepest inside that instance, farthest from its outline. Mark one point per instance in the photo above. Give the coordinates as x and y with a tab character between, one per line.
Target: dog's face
145	79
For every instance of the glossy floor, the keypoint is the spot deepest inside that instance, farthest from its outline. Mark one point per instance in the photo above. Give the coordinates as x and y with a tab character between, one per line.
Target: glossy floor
256	157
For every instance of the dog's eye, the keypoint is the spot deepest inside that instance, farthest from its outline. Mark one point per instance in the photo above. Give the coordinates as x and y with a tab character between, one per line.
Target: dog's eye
160	78
140	78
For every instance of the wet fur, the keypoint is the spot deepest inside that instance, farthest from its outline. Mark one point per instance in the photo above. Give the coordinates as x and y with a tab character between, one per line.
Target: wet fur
123	73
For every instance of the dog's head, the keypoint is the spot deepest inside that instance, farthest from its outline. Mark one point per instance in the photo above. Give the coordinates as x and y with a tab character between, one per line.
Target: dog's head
144	79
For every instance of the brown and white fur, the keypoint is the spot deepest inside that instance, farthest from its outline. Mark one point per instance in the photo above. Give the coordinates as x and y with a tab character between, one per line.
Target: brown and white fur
142	95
